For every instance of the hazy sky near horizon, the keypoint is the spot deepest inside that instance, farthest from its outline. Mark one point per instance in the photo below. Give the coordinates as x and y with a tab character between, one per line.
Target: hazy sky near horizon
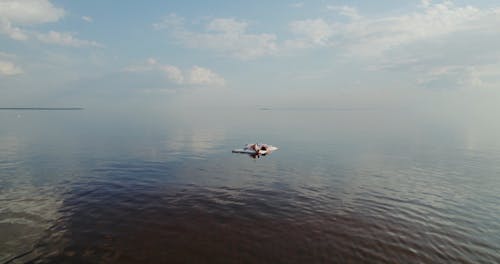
324	53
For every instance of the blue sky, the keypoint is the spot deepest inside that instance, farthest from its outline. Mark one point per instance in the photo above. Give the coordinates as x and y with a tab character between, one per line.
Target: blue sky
419	54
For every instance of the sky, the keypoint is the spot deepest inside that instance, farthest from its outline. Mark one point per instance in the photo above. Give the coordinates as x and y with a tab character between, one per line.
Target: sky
438	55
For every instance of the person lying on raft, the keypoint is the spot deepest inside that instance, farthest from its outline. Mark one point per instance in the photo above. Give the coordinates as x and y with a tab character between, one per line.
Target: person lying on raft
255	147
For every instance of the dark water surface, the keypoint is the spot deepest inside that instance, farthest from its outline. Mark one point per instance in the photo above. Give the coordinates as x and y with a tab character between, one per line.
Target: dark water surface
345	186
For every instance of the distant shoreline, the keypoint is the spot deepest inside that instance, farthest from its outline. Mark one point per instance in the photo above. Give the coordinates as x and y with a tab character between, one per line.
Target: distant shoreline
42	108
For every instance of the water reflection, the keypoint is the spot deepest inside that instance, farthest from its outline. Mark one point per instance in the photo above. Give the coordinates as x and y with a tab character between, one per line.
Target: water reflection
107	221
254	155
195	142
128	191
25	215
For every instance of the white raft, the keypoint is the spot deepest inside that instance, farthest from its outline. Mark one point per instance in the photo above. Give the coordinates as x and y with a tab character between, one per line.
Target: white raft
248	150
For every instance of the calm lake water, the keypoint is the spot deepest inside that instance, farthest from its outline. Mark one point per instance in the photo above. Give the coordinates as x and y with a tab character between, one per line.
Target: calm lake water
346	186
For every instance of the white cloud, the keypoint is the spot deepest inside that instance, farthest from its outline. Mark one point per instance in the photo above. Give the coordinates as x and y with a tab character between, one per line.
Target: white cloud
173	73
425	3
12	31
226	36
426	45
171	22
204	76
28	12
470	76
8	68
368	36
438	45
15	15
87	19
150	65
197	75
438	74
347	11
152	61
297	5
315	31
227	25
437	20
65	39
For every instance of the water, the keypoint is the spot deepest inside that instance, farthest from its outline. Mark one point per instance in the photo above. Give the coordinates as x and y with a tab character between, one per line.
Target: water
353	185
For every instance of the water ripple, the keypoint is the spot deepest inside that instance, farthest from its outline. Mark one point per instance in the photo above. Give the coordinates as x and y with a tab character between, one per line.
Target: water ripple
128	222
193	203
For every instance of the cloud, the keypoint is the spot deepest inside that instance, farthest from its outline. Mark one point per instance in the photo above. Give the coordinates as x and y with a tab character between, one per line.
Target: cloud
434	35
311	31
297	5
226	36
456	76
359	35
8	68
171	22
439	44
87	19
367	36
150	65
173	73
444	76
30	12
15	15
204	76
425	3
197	76
227	25
27	12
346	11
13	32
65	39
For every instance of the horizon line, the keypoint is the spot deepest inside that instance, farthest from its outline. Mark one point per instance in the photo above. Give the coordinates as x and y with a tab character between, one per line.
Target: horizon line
41	108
